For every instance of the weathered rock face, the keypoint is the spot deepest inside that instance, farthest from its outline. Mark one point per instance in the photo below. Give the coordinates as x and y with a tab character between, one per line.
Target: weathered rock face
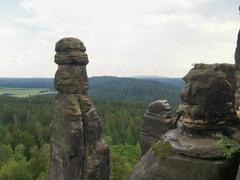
77	150
178	167
207	104
237	52
207	98
156	121
190	151
237	76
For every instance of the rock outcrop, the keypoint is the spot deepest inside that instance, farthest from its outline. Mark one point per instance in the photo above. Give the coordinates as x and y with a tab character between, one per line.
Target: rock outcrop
237	52
237	93
156	121
77	150
190	151
178	167
237	76
208	96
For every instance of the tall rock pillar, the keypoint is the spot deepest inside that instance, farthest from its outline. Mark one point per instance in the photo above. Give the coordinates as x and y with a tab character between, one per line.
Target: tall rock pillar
237	52
237	76
77	150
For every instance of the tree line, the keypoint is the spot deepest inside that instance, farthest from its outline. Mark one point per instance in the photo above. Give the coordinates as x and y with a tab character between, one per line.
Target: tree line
25	134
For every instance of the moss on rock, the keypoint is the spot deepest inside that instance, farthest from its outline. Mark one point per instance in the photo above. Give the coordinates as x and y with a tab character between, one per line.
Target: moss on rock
161	149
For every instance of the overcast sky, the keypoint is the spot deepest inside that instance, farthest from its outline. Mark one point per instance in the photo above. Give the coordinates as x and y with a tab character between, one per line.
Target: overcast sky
123	37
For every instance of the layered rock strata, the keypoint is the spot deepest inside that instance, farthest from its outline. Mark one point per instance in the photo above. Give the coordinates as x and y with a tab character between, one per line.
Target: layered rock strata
207	104
77	150
190	151
156	121
208	96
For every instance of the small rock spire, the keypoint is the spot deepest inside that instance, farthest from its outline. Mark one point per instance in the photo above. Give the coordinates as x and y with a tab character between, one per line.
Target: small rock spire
156	121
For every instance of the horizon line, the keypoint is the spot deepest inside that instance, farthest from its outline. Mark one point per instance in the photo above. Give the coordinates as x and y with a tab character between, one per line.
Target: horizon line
130	76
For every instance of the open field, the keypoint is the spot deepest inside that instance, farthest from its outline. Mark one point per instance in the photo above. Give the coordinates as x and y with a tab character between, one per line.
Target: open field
23	92
105	87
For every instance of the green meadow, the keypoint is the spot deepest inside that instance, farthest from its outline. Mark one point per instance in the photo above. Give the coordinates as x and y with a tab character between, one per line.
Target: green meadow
23	92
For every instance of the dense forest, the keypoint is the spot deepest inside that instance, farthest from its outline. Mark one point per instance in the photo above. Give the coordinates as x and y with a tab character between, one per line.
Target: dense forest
25	134
120	102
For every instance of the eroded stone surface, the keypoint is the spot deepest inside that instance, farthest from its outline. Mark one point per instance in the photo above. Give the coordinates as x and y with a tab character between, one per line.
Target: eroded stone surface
237	76
69	44
77	150
178	167
156	121
234	129
207	105
207	108
194	144
208	96
237	52
71	79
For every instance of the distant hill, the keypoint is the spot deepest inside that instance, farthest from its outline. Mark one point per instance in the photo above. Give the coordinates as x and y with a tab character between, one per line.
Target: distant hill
27	82
174	81
114	88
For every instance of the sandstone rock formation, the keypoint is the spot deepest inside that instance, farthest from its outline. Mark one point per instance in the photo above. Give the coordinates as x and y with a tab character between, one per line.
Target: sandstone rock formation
208	96
237	52
156	121
207	103
190	151
237	75
237	93
77	150
178	167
